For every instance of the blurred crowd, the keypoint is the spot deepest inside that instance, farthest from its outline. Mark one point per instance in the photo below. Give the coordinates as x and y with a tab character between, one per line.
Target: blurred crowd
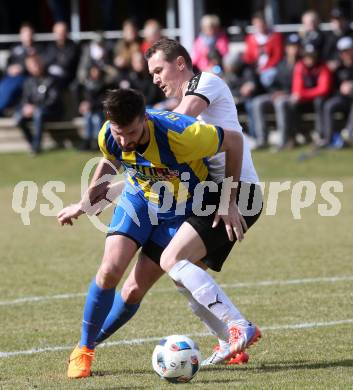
274	81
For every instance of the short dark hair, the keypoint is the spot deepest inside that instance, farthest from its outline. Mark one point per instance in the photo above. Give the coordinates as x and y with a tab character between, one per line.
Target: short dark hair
258	15
27	25
123	106
171	49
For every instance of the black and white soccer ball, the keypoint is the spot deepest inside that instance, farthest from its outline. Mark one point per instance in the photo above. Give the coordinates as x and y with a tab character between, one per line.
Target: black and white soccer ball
176	359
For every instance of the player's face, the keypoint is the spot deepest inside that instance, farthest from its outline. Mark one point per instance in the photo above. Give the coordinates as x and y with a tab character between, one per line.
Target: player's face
167	75
130	136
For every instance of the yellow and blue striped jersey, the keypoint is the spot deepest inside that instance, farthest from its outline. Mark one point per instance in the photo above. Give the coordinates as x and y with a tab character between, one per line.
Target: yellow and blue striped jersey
177	154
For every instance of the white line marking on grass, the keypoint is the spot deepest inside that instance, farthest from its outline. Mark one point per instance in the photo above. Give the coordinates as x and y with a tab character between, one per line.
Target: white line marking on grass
308	325
265	283
41	298
260	283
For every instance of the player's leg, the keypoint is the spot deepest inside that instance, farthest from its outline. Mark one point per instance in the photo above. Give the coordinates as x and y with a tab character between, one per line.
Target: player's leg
185	249
119	250
142	277
127	301
178	260
188	246
129	229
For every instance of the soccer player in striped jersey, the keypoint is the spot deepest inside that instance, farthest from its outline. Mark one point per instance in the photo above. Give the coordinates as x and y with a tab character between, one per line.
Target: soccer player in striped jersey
154	147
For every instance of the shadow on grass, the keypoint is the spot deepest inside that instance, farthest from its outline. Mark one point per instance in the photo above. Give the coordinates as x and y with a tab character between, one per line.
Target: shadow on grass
217	381
125	372
121	372
290	365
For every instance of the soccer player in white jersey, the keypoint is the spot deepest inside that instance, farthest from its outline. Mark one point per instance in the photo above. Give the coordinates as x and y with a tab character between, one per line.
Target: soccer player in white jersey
207	97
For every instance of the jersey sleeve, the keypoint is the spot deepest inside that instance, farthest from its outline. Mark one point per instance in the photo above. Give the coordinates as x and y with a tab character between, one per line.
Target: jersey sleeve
196	142
206	86
102	143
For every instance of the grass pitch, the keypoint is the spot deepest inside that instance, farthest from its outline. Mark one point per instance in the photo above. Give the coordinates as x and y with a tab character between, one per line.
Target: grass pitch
294	278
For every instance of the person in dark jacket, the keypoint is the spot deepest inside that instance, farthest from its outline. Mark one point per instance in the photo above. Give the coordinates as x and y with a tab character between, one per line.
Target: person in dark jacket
310	33
142	81
62	56
340	28
243	83
278	97
91	107
342	99
95	52
41	101
12	82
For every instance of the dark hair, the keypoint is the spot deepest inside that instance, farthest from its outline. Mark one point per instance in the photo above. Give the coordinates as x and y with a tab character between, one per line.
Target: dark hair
258	15
171	50
123	106
27	25
33	55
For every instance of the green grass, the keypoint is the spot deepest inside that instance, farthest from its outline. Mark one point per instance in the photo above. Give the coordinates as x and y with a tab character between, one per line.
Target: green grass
43	259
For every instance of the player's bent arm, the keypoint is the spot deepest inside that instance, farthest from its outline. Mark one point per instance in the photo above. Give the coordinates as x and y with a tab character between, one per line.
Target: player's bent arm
234	222
232	145
100	182
191	105
96	191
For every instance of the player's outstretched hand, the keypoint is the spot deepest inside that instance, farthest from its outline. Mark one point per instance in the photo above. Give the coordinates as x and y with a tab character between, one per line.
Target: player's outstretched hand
234	223
67	214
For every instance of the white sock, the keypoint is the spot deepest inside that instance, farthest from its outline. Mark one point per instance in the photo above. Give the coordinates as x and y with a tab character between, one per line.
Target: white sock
205	291
213	324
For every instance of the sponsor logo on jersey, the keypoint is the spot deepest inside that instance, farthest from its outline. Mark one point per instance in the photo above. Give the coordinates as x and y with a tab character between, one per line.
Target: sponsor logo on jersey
151	174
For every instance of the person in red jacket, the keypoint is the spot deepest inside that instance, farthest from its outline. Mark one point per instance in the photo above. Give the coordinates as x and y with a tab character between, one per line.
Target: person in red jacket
263	49
312	83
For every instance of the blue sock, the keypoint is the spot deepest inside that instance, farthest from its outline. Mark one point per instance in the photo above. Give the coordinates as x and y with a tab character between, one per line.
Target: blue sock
98	303
119	315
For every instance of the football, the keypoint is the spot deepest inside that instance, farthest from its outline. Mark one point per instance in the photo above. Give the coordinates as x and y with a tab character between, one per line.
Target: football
176	359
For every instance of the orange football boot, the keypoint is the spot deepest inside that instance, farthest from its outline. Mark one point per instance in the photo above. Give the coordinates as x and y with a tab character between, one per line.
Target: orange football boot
80	362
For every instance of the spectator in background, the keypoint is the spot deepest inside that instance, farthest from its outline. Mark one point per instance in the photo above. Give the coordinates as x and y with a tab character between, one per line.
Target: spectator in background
340	28
138	77
278	97
237	74
310	32
12	82
215	65
125	47
62	56
141	80
91	107
263	49
312	83
152	32
211	38
41	101
96	53
243	83
342	99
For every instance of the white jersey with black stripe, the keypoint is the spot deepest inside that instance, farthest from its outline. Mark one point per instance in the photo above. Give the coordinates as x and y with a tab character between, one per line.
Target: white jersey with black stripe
221	111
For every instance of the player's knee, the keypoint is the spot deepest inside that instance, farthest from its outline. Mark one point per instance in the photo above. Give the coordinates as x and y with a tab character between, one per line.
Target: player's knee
132	293
109	275
167	260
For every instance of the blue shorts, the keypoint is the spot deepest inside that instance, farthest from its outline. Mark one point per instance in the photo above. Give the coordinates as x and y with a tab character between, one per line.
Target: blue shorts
133	218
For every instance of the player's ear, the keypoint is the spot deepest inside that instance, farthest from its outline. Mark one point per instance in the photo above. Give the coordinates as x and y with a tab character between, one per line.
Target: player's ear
180	63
